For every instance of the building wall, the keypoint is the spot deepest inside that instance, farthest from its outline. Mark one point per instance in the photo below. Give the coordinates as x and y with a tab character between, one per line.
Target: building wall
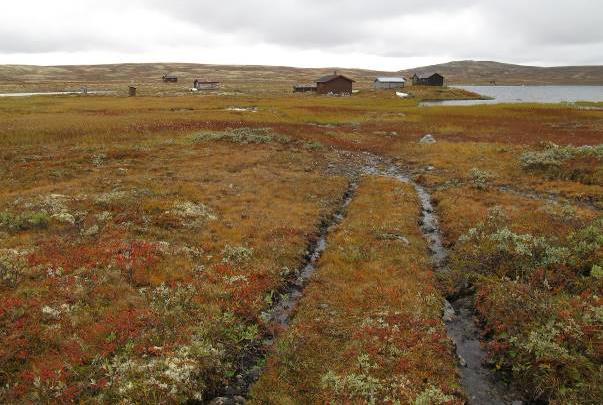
436	81
206	86
388	85
335	86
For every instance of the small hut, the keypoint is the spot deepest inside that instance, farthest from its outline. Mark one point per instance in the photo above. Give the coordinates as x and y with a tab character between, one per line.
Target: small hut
132	91
168	78
304	88
435	79
389	83
201	84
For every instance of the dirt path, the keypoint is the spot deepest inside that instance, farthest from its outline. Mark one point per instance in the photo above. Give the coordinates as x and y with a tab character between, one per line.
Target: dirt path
479	382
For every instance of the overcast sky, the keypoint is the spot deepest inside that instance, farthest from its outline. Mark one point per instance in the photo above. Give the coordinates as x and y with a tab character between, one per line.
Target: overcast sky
379	34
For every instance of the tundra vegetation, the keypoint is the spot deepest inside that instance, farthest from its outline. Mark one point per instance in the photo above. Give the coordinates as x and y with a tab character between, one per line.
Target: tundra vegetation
143	239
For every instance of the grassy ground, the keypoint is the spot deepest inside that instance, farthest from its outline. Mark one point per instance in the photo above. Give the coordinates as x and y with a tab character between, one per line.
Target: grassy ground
141	239
369	328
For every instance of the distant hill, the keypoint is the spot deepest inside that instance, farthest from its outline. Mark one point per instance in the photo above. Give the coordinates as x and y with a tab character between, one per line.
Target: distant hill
484	72
269	78
148	76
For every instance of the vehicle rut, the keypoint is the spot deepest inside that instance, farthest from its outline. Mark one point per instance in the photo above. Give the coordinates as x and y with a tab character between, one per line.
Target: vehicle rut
480	383
281	313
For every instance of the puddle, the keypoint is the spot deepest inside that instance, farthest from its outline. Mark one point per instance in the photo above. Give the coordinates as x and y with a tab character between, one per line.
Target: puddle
243	109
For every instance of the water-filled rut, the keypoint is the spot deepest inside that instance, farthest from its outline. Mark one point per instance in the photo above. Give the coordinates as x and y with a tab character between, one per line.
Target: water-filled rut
479	382
280	314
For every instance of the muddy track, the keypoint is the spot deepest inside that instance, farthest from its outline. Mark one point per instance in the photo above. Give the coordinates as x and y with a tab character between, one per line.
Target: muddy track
481	384
281	313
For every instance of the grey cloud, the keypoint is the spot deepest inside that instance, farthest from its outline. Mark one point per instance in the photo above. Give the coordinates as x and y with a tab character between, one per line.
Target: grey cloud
507	30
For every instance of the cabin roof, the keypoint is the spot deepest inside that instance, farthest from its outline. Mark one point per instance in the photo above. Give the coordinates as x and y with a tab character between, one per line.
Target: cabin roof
391	80
427	75
328	78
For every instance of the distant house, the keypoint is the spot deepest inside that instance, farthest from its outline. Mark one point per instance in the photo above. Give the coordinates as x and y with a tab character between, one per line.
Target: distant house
201	84
169	78
389	83
435	79
334	84
304	88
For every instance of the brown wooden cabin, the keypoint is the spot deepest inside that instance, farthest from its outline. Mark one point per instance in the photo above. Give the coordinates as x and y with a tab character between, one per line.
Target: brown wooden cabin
334	84
169	79
435	79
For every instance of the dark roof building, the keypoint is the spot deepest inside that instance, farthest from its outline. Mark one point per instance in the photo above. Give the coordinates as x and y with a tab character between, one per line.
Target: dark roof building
201	84
169	78
334	84
304	88
435	79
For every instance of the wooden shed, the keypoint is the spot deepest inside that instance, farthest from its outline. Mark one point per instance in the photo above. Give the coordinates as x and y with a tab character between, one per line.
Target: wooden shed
435	79
389	83
201	84
169	78
304	88
334	84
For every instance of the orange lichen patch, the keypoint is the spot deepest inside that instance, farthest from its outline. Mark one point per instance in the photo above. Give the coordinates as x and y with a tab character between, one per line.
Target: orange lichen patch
371	314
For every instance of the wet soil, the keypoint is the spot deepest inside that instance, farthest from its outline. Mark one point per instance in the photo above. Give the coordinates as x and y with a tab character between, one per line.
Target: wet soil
480	383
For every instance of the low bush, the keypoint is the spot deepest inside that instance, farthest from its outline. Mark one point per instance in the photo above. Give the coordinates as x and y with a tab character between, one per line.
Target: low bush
480	178
539	298
581	163
242	136
23	222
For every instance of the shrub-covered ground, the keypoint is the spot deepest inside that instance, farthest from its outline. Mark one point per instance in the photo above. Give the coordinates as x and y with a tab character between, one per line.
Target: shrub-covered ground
141	239
370	327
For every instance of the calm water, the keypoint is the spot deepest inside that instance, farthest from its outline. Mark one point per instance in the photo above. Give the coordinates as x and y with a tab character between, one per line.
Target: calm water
527	94
54	93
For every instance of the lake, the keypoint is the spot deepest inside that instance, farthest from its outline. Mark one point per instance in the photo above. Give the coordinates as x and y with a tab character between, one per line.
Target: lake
526	94
56	93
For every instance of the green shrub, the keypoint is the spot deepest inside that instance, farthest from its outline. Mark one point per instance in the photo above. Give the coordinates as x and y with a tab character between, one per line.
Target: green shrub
539	300
566	162
242	136
23	222
236	254
480	178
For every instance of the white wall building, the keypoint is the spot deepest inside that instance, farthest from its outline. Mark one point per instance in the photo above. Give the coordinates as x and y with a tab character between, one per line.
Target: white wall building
389	82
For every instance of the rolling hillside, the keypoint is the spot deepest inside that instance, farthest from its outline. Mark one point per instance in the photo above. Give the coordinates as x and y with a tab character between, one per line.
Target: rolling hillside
483	72
270	78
